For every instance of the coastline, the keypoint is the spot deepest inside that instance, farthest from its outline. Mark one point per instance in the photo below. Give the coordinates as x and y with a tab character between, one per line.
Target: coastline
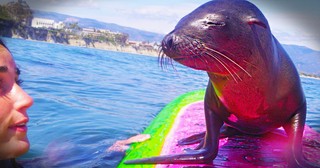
102	46
310	77
111	47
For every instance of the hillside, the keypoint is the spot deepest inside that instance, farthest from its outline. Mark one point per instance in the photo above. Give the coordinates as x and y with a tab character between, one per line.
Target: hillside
134	34
305	59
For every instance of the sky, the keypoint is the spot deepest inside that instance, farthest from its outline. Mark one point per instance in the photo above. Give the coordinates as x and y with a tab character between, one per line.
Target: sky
292	22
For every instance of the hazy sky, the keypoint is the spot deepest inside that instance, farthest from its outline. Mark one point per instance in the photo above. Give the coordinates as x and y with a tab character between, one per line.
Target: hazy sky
292	22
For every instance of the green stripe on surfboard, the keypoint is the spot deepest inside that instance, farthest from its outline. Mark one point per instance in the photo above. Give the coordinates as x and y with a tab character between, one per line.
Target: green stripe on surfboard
159	128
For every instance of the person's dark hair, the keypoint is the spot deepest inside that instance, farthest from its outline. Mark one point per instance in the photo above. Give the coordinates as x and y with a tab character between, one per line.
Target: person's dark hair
4	45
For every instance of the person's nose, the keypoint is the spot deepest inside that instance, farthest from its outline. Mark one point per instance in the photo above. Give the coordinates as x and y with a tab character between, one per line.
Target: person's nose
22	99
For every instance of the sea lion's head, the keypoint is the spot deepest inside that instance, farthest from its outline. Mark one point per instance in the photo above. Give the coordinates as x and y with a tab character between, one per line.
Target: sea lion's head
217	37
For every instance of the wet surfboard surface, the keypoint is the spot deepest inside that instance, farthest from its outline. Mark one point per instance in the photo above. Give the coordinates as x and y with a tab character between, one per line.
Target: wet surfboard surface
184	117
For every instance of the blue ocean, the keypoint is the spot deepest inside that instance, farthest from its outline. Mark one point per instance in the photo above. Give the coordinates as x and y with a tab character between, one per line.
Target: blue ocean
87	99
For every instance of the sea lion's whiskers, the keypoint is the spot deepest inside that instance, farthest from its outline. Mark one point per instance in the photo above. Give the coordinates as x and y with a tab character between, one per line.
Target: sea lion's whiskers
195	55
191	49
203	59
188	46
160	57
200	45
232	68
232	61
171	62
207	62
167	61
164	60
212	56
223	55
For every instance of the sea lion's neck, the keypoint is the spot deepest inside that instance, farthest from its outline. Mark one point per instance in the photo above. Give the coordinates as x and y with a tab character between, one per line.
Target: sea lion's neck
222	79
218	82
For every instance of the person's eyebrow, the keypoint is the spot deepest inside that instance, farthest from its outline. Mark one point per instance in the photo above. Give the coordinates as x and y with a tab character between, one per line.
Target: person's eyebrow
3	69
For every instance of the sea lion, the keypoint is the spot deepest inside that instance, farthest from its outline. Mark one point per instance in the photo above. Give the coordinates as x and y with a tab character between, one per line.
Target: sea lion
253	85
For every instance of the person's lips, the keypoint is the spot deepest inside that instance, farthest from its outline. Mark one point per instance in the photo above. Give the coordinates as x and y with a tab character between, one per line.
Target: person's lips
20	126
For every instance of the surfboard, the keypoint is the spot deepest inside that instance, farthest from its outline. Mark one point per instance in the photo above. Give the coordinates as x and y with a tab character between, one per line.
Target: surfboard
184	117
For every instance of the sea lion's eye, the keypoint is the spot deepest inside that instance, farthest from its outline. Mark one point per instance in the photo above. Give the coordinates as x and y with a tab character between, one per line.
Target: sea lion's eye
214	23
256	21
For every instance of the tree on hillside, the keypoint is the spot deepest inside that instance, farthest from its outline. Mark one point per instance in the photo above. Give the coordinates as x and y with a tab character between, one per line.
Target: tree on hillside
72	26
20	12
4	15
121	38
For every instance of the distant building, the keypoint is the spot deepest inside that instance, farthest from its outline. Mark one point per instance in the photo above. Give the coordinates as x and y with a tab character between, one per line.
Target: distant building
96	31
107	31
144	45
90	31
46	23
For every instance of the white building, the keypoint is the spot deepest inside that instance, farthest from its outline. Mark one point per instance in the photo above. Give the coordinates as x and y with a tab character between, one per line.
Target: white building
46	23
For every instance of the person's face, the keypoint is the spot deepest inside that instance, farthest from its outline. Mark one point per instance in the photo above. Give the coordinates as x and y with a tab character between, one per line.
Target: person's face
14	103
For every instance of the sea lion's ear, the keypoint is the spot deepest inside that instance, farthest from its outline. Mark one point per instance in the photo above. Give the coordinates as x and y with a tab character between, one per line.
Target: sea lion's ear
256	21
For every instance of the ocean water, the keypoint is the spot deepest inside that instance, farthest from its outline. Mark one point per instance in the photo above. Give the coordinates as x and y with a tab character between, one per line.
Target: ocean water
86	99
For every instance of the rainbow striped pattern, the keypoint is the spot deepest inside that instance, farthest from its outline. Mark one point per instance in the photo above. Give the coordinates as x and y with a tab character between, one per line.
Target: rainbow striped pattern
159	129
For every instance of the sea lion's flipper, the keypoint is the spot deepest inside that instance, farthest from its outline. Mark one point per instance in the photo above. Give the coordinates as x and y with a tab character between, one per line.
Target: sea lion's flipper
225	131
294	128
193	139
197	156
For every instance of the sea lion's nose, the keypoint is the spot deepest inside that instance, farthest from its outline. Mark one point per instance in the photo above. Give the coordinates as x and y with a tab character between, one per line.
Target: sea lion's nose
167	42
170	41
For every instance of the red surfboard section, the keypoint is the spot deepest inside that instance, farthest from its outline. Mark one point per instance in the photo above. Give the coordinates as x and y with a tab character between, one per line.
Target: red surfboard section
184	117
239	150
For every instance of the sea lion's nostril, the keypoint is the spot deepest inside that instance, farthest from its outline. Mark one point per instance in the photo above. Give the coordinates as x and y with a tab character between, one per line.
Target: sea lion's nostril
170	42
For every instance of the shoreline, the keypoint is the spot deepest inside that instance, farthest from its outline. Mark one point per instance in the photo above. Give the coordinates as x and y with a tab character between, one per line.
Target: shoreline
111	47
311	77
139	50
